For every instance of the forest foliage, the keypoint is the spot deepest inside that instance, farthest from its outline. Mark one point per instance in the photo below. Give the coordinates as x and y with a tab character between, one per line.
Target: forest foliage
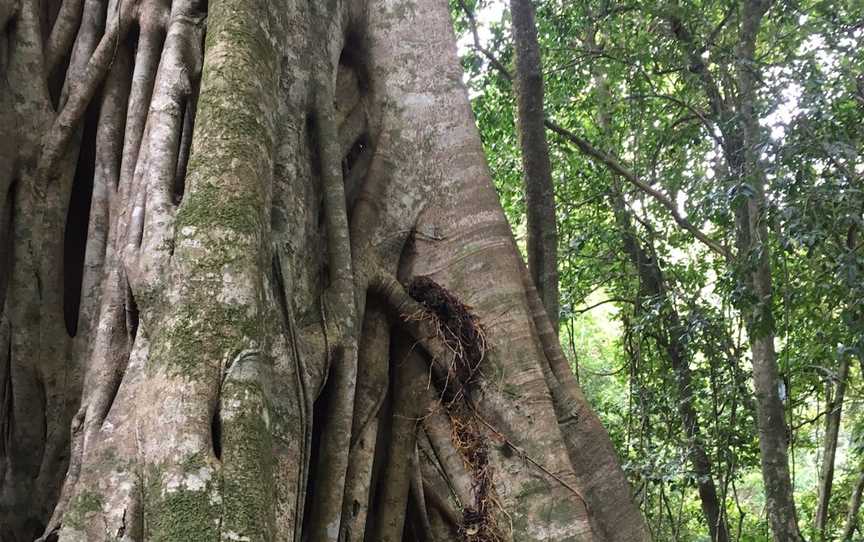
655	116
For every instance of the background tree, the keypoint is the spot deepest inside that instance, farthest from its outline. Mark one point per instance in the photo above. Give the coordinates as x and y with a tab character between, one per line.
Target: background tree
542	230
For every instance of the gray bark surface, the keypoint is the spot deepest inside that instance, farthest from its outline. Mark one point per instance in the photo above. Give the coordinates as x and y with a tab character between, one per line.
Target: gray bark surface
851	524
835	394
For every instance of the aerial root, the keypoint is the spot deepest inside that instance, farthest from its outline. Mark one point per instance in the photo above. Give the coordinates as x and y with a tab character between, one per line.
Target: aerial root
461	331
62	33
80	95
479	523
457	327
417	495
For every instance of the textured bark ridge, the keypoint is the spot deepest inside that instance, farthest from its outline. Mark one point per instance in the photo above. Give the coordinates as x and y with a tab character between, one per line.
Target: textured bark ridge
208	211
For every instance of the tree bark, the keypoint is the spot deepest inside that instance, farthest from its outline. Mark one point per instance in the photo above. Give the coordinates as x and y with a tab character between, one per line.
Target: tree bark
256	184
754	267
851	523
835	393
536	167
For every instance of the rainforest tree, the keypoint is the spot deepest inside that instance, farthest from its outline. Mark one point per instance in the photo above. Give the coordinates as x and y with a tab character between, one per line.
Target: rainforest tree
239	243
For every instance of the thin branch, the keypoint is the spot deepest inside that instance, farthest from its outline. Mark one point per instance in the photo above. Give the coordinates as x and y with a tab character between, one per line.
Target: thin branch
610	162
694	56
611	300
809	421
472	21
699	114
618	168
716	32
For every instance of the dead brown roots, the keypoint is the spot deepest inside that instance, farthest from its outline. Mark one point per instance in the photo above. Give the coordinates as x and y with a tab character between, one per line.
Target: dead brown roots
461	330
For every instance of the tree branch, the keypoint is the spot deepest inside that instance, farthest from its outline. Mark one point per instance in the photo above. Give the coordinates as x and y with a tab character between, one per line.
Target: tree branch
472	22
697	64
610	162
605	301
616	167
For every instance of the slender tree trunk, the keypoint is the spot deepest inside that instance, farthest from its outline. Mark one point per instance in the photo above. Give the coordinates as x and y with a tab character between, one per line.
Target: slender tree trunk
851	523
536	166
835	393
755	268
742	143
256	185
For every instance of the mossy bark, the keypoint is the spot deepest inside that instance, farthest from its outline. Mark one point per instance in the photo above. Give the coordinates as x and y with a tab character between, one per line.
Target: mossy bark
229	300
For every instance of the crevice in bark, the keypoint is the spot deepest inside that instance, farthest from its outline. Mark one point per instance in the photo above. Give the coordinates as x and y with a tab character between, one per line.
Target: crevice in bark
77	220
319	412
42	418
353	56
133	316
361	144
7	234
216	431
6	395
312	144
188	114
355	166
55	80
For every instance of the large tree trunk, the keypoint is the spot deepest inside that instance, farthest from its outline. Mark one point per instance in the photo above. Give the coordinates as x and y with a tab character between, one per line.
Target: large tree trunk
542	242
228	336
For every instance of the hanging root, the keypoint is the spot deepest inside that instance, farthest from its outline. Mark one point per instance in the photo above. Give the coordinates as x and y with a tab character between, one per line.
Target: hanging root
62	33
457	327
479	523
81	94
461	331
